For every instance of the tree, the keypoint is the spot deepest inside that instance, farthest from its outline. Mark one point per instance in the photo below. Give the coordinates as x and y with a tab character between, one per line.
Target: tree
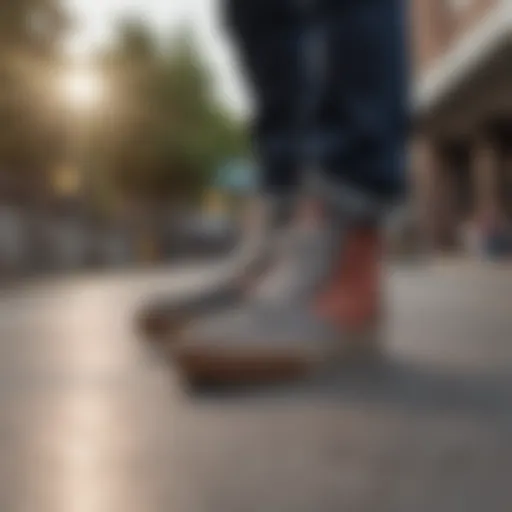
30	34
165	135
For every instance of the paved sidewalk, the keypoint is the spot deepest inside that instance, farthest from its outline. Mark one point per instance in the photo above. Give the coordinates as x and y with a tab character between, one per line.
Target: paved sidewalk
429	432
93	420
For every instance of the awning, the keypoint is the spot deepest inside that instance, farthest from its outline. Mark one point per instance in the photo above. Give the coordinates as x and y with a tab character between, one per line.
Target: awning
464	58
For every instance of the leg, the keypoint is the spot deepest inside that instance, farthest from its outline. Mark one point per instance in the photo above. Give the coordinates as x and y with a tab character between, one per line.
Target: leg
268	36
361	120
319	303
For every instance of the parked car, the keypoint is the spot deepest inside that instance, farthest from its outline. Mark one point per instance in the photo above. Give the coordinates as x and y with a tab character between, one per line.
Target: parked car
203	235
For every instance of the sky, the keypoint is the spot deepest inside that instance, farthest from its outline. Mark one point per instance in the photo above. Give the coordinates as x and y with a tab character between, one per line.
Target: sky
97	17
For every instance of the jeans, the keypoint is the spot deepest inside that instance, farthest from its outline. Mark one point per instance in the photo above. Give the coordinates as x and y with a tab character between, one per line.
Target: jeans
329	80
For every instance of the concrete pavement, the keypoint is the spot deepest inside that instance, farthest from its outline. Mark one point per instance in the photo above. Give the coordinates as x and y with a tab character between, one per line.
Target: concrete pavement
91	419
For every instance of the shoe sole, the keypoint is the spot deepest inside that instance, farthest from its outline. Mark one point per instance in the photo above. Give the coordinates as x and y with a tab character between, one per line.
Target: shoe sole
160	321
157	323
200	366
211	365
157	327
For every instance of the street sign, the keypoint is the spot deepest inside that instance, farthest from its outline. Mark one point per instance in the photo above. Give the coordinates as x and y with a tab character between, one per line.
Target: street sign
238	176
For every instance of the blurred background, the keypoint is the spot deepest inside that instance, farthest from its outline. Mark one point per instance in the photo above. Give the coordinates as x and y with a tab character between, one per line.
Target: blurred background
120	122
123	135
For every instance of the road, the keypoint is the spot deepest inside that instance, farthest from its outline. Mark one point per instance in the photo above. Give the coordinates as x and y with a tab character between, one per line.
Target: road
92	419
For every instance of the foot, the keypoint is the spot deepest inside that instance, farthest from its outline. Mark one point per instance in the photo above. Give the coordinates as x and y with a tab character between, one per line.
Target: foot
259	343
317	306
352	298
236	278
163	318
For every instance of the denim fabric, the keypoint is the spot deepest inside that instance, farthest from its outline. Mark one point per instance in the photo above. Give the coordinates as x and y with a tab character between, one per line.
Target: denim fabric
329	79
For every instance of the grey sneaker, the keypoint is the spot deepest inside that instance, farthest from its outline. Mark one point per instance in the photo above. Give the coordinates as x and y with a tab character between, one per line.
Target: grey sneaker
275	334
265	218
259	342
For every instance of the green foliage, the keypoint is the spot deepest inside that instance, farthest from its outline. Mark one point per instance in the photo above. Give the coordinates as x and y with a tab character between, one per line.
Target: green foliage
31	27
159	135
30	33
164	135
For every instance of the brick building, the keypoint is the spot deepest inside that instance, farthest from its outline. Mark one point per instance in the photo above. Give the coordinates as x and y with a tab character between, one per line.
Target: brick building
462	149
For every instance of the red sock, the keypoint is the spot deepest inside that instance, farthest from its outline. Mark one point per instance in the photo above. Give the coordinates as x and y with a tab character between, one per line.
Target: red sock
352	297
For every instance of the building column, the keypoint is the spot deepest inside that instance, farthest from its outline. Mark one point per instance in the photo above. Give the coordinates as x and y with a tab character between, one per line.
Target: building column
486	164
506	185
431	191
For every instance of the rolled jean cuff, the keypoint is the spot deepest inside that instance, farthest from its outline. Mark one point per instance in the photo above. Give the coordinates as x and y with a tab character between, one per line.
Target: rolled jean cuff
354	205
